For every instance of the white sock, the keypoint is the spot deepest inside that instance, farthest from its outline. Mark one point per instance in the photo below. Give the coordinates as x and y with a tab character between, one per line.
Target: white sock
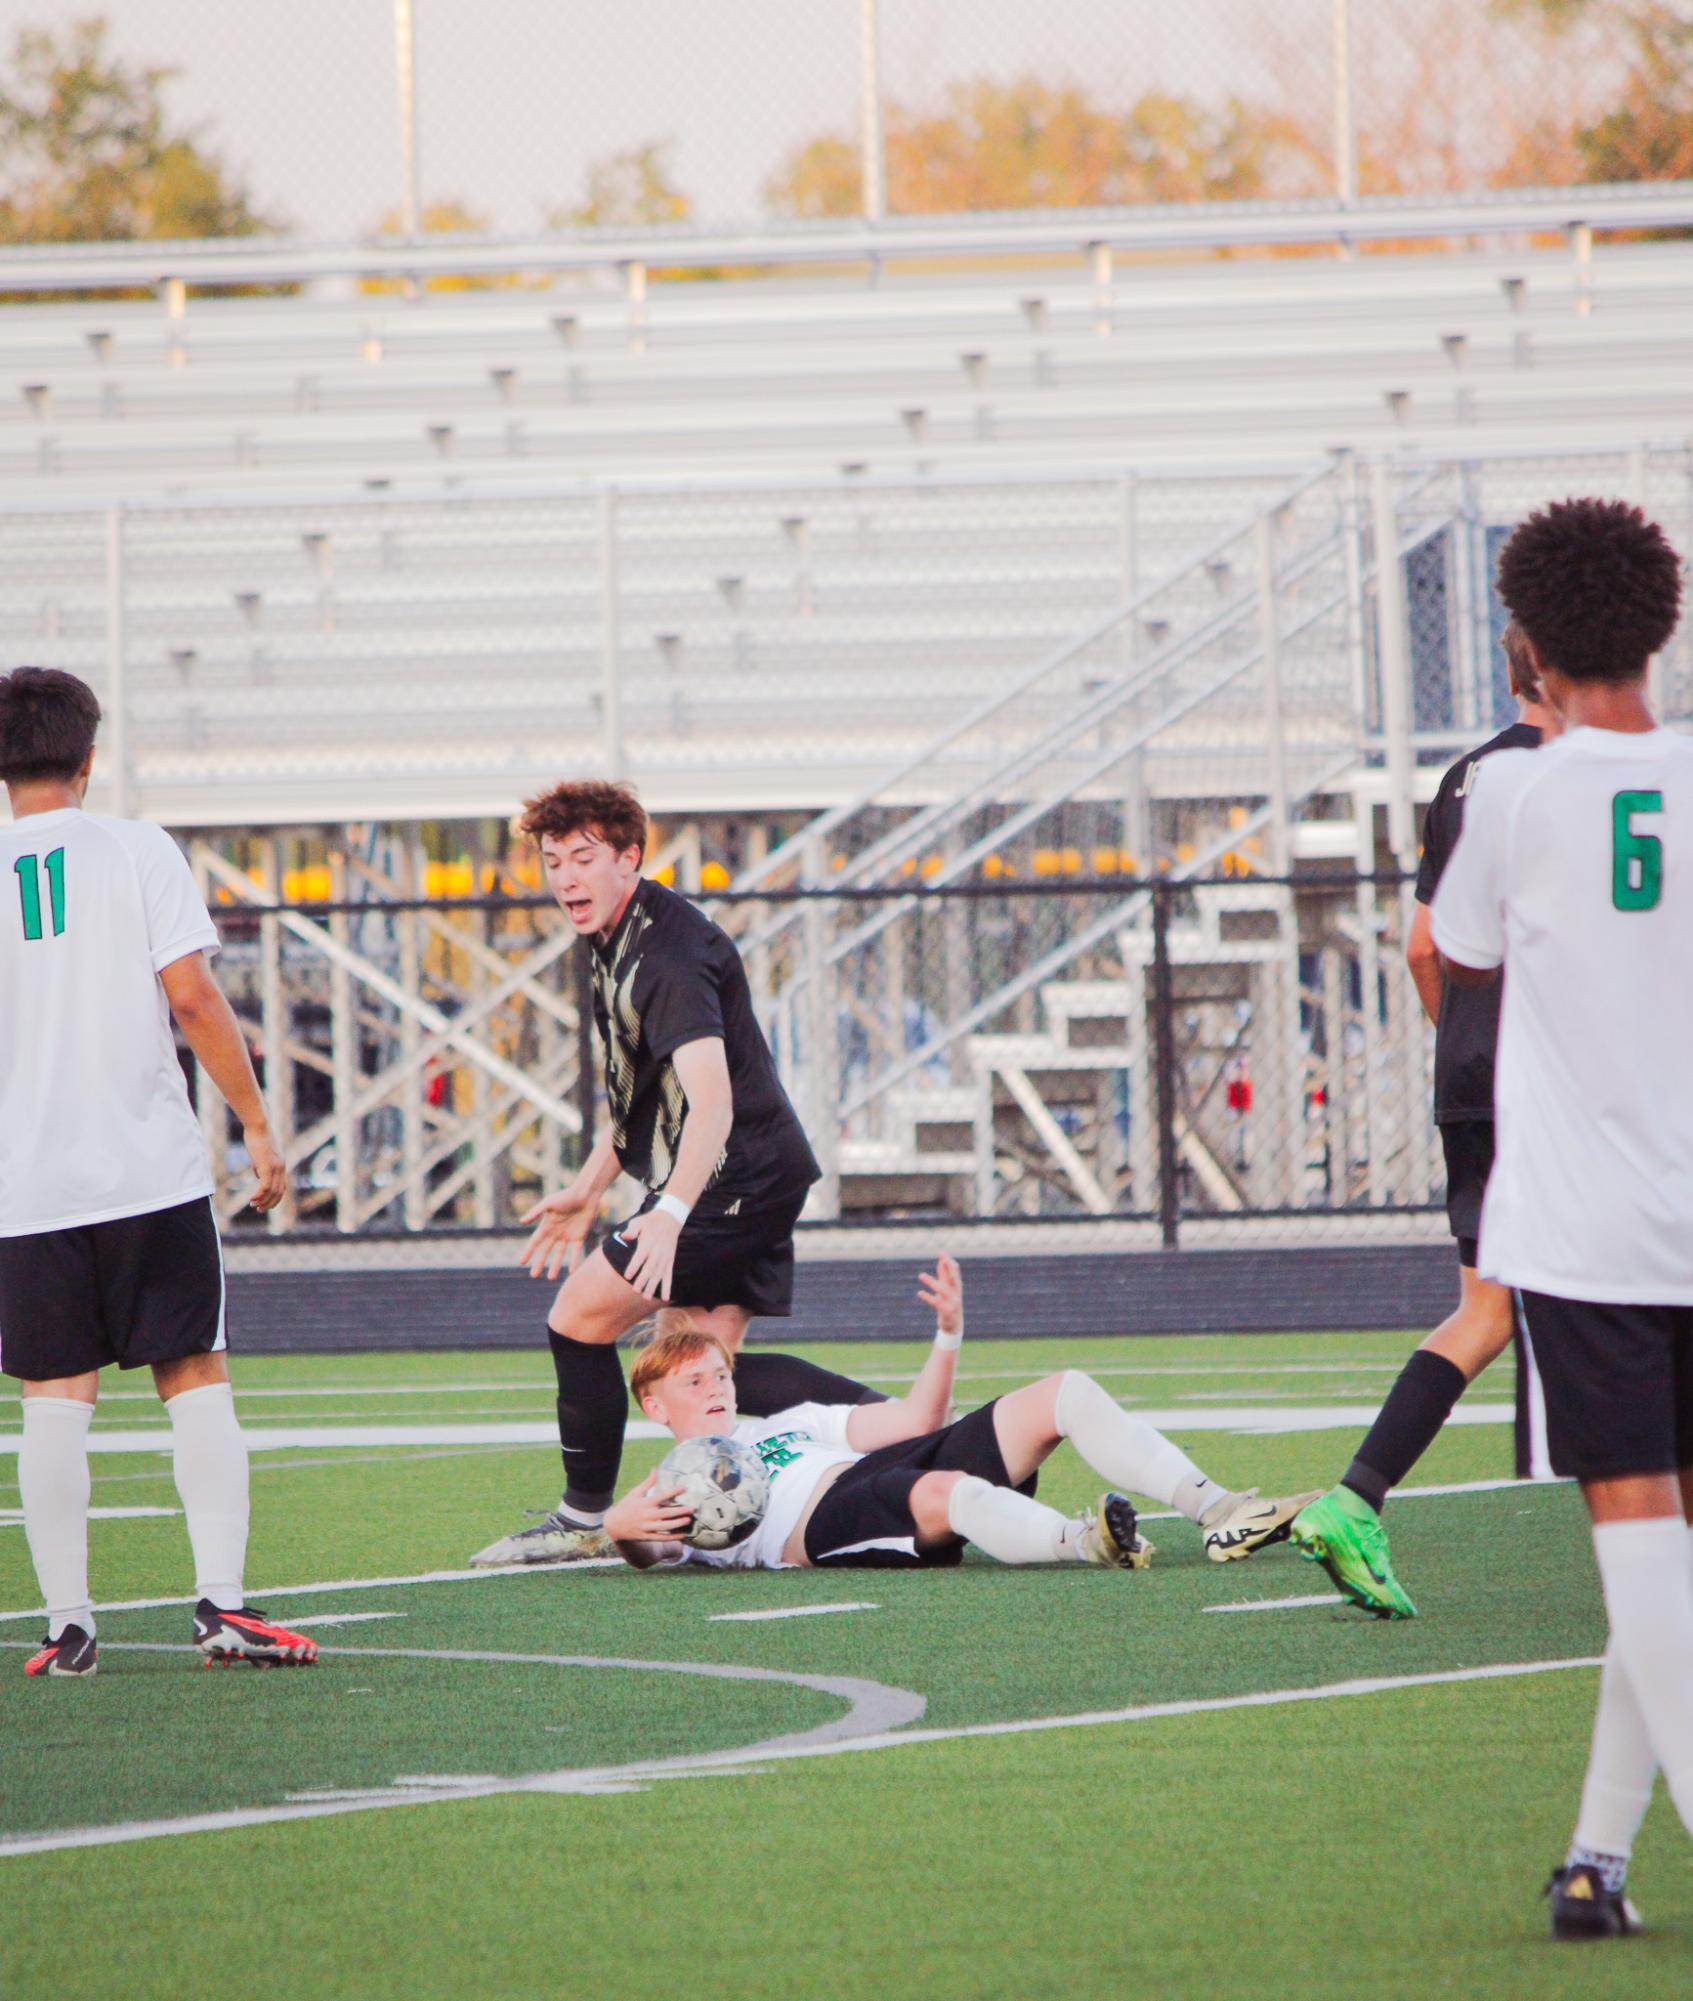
53	1482
1620	1769
210	1465
1648	1588
1128	1451
1009	1526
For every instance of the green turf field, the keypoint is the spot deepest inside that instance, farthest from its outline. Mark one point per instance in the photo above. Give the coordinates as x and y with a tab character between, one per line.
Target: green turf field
984	1783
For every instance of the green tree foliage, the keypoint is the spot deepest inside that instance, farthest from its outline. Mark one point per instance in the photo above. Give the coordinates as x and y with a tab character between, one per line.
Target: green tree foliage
632	190
1030	144
1647	134
444	218
87	154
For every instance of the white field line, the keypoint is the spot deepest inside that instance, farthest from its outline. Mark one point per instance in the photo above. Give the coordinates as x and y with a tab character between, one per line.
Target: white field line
540	1388
352	1584
873	1708
832	1740
13	1518
1260	1419
1277	1604
794	1612
616	1562
311	1622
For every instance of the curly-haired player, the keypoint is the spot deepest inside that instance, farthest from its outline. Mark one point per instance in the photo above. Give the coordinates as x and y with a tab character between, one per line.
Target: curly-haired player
1574	872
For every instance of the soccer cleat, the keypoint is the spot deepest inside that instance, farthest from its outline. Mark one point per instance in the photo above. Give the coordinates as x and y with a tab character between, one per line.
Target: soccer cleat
1583	1908
1251	1523
553	1539
1344	1534
1107	1534
229	1638
71	1653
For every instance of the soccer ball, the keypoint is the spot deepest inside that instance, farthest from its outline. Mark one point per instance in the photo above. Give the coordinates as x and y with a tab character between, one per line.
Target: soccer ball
723	1483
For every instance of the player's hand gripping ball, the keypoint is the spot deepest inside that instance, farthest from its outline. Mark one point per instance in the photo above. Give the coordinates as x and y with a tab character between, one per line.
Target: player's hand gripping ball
723	1485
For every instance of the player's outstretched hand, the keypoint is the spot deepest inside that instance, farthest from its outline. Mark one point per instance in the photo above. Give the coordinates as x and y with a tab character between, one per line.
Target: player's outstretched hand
645	1515
943	1290
654	1236
270	1170
562	1223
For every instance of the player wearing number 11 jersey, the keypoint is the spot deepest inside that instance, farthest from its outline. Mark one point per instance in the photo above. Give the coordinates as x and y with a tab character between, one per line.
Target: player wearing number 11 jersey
108	1243
1574	872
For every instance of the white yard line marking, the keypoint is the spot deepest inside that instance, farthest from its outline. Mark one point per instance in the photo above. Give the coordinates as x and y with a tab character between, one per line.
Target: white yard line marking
616	1562
13	1518
1249	1418
312	1620
1277	1604
847	1734
353	1584
794	1612
872	1709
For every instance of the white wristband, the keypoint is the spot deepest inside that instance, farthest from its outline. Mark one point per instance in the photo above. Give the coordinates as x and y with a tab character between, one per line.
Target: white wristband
672	1205
948	1342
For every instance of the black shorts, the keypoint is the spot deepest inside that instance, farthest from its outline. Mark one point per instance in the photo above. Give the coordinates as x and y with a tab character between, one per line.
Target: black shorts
139	1290
744	1259
1468	1146
864	1522
1602	1391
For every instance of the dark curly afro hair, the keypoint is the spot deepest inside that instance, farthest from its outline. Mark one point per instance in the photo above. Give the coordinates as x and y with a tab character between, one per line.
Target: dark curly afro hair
1595	585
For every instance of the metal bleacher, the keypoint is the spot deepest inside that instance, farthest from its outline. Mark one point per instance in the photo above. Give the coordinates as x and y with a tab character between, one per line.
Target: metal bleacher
753	541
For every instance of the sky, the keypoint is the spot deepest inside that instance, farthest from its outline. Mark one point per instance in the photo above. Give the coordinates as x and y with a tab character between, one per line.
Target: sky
516	97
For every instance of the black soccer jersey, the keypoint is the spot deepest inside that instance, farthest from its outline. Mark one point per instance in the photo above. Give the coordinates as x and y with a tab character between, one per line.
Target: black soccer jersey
667	976
1468	1031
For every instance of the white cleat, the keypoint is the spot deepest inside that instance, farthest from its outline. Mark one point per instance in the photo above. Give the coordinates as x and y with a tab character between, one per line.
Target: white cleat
1251	1523
1106	1534
551	1540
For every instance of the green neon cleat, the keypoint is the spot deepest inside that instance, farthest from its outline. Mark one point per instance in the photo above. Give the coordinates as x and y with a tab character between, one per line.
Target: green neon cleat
1344	1534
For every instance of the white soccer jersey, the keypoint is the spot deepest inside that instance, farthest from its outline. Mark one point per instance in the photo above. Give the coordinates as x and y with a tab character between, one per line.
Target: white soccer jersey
798	1446
1575	871
95	1121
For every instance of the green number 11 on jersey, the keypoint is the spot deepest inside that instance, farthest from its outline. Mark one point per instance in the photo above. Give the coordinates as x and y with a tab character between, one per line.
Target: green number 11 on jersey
1637	860
28	870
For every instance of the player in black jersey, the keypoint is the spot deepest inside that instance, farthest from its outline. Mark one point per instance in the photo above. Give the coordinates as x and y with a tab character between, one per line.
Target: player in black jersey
700	1118
1343	1529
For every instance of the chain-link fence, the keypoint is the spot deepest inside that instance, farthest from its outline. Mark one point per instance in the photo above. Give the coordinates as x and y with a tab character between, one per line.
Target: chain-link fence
333	120
1212	1061
764	652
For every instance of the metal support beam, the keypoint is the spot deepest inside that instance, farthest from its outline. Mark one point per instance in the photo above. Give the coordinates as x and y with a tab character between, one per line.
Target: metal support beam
871	144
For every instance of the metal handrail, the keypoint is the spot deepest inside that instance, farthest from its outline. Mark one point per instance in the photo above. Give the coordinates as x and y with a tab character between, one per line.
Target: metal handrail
1190	226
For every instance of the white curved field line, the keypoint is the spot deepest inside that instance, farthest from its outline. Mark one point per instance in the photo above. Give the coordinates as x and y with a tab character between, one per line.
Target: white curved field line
872	1723
873	1709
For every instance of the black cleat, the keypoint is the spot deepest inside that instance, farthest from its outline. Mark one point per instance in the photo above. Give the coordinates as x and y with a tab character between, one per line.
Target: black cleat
71	1653
1583	1908
228	1638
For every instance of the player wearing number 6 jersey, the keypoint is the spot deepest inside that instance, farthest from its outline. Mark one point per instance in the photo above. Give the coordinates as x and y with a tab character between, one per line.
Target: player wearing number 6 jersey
1574	872
108	1243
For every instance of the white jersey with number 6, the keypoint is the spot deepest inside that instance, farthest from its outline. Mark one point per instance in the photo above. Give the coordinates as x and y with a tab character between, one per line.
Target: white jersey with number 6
95	1121
1575	871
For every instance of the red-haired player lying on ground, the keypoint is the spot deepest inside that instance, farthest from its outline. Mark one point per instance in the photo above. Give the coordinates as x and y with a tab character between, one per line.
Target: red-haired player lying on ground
892	1483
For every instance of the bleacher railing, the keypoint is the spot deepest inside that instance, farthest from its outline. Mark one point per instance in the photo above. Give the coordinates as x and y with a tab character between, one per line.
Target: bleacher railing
1239	1058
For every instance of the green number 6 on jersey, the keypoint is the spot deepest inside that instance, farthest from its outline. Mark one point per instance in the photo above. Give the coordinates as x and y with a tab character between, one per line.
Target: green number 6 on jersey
1637	860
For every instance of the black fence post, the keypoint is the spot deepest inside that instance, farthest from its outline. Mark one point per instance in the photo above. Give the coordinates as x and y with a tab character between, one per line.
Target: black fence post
1164	1064
584	958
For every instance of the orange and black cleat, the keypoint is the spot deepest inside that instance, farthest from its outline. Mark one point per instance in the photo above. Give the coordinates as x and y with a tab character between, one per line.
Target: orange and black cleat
228	1638
71	1653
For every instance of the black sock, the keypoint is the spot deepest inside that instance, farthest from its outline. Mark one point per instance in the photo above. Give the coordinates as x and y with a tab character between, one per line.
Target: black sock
593	1407
765	1384
1418	1404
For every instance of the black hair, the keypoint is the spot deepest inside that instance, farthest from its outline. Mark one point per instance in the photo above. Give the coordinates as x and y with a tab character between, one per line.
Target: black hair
47	723
1594	585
